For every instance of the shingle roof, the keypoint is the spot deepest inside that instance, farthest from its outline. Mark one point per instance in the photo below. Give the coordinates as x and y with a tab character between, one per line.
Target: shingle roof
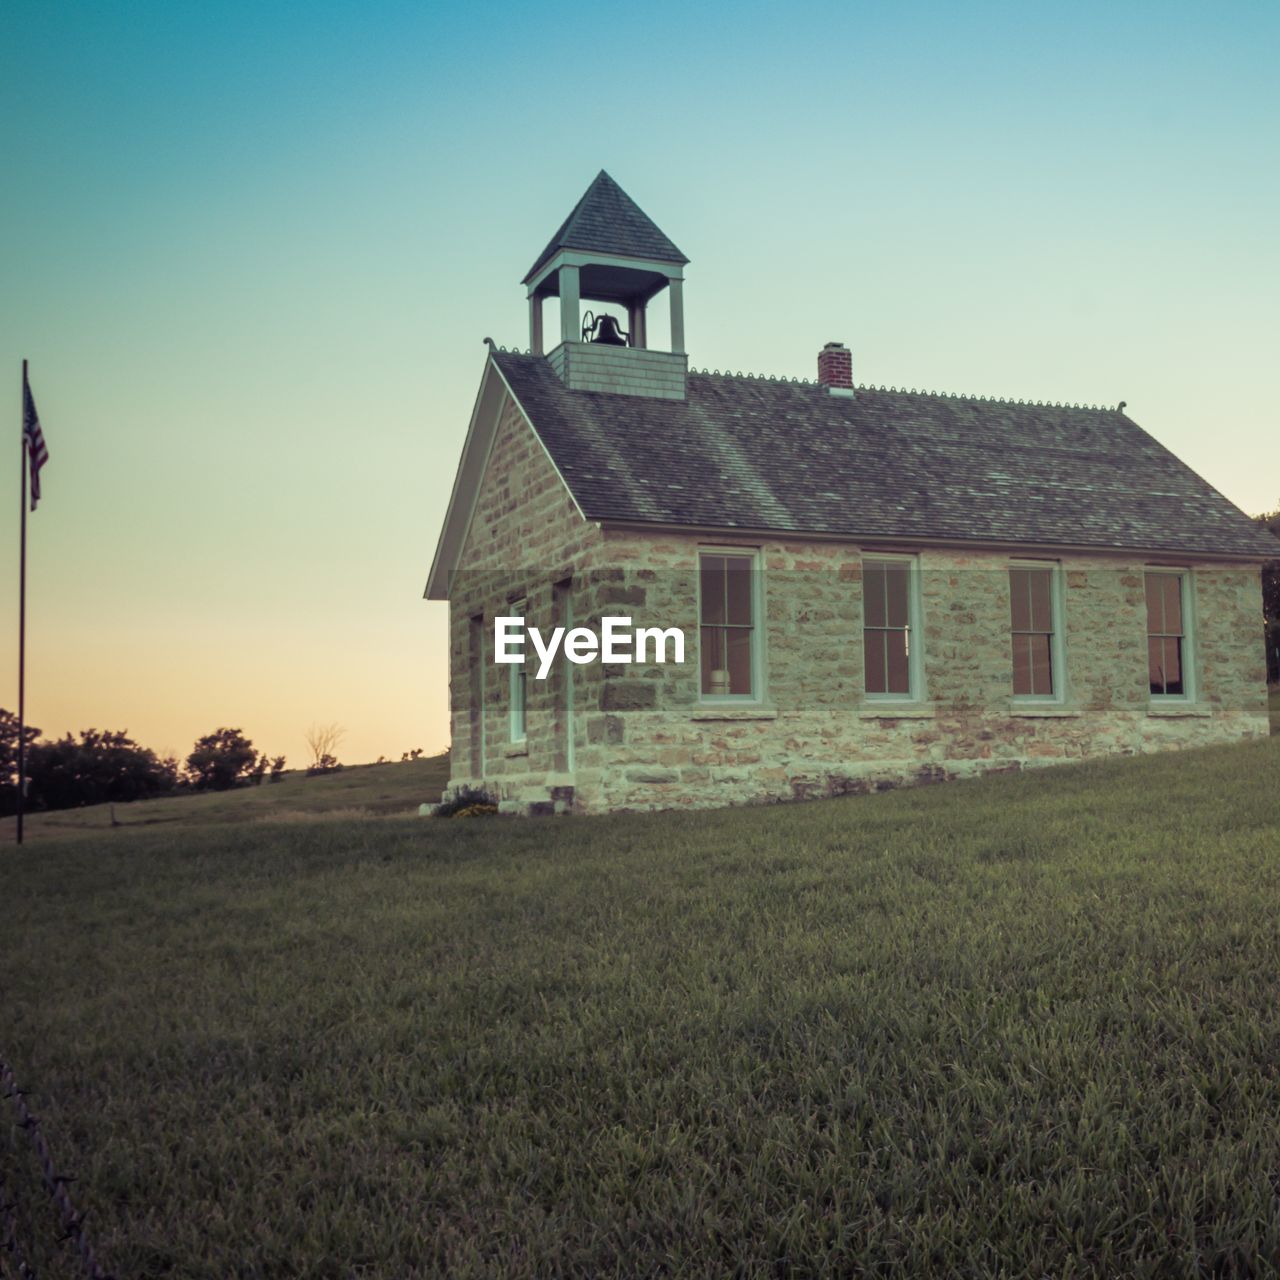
752	453
607	220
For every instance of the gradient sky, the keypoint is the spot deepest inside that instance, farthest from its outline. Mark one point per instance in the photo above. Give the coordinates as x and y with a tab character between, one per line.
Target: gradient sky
251	251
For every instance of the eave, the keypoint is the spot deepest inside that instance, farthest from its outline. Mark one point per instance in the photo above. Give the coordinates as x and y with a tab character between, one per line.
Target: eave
884	542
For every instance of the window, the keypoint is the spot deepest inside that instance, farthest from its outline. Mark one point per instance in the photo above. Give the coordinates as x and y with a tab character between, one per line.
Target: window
728	604
890	628
562	604
1168	667
1035	630
476	690
519	686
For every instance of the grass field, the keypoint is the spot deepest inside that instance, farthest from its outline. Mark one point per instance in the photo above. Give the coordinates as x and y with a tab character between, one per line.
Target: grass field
368	790
1026	1026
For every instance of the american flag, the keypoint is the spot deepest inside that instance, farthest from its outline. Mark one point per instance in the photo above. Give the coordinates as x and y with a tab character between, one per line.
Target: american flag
37	450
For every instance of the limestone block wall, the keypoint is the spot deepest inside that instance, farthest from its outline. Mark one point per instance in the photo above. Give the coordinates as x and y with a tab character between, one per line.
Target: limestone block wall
651	741
526	535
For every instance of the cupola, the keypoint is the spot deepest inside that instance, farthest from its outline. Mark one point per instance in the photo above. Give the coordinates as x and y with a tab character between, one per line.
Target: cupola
609	251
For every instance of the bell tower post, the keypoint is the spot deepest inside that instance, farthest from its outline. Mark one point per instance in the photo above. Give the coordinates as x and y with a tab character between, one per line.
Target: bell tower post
535	324
570	282
676	289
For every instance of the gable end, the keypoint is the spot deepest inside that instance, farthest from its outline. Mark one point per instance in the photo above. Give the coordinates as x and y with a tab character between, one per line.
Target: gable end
495	403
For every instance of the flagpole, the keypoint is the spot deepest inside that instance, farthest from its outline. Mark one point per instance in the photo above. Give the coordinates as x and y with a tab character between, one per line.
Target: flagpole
22	619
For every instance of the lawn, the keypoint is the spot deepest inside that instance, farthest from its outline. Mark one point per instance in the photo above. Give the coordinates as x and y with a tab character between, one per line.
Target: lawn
1023	1026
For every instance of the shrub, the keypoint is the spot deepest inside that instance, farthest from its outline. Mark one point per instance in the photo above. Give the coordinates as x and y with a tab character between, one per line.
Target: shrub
9	758
101	767
323	740
220	760
1271	599
467	798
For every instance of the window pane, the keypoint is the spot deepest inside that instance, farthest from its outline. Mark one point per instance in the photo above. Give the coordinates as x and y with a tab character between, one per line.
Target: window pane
1022	664
1041	607
873	655
714	661
739	646
1165	658
738	590
873	593
712	589
899	667
1155	602
1172	604
517	687
896	579
1020	600
1155	664
1041	664
1172	650
518	692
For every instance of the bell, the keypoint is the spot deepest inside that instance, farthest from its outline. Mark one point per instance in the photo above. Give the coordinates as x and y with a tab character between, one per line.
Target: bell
607	332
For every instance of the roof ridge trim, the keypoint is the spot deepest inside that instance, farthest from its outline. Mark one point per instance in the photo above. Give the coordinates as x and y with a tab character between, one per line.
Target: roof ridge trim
909	391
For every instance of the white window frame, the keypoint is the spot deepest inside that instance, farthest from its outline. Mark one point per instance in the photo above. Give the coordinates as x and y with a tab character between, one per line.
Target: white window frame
915	631
1057	639
1186	594
518	687
476	635
563	590
757	626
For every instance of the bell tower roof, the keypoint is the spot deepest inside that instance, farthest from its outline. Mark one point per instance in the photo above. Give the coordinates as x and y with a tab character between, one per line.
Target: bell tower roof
608	251
607	221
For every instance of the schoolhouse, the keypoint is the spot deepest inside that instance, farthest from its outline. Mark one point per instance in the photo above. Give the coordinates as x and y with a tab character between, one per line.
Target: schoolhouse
876	586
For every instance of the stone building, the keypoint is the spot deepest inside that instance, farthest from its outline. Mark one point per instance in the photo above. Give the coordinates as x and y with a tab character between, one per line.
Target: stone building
875	586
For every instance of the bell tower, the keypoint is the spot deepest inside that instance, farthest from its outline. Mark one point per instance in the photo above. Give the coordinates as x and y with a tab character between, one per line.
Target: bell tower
608	250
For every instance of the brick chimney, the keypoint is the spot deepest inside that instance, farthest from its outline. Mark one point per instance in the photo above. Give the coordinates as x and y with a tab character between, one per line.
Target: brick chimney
835	369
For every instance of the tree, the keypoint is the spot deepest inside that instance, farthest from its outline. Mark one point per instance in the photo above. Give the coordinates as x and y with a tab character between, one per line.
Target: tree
220	760
101	767
277	768
1271	599
171	766
323	740
9	758
326	764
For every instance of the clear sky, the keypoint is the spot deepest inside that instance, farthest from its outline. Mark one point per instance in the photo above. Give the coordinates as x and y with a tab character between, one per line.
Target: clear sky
251	251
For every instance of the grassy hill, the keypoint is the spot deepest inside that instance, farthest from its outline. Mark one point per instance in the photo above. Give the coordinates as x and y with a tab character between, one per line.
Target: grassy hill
370	790
1028	1025
367	790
